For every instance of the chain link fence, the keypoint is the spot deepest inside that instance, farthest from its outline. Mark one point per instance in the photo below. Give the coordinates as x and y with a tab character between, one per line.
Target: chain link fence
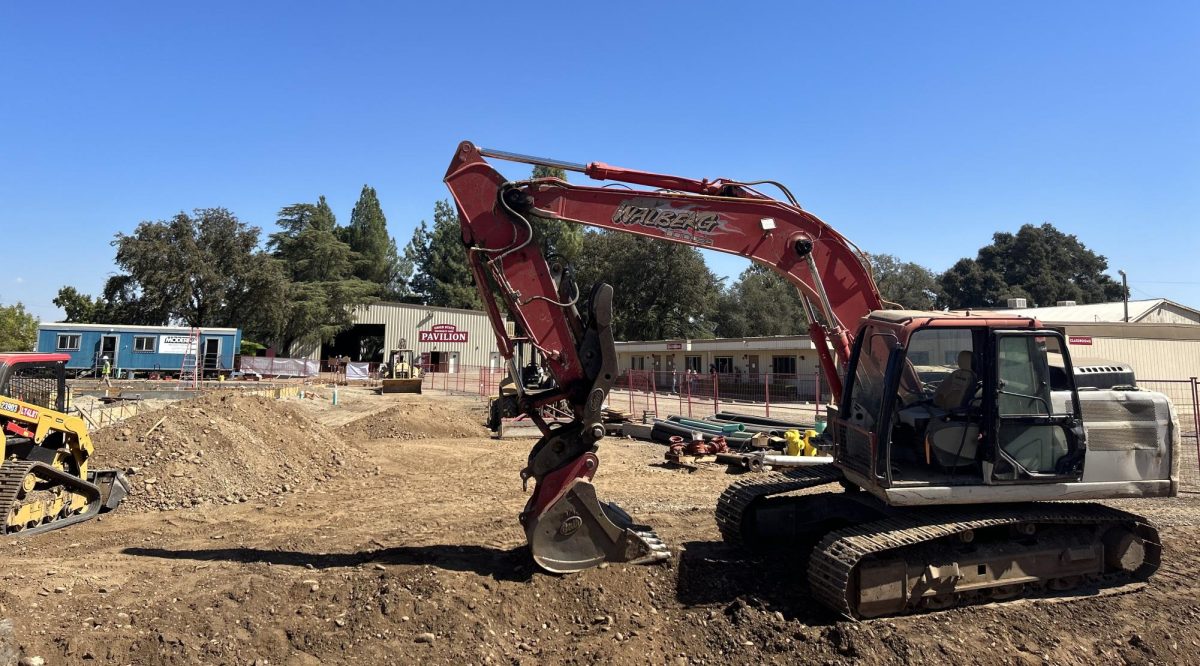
1185	396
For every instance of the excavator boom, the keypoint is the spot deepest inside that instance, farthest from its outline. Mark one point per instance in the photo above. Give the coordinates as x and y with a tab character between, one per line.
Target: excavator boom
722	215
567	526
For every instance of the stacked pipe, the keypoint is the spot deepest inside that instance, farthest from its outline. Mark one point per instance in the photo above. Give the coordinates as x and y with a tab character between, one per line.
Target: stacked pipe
751	419
663	430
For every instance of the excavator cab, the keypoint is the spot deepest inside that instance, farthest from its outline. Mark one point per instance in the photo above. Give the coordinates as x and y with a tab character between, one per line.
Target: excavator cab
995	414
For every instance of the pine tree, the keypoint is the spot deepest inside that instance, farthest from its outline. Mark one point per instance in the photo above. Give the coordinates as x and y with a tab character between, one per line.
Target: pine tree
322	289
367	235
443	277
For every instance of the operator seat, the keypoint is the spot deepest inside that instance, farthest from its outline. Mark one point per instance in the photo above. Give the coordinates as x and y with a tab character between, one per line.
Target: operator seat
951	441
959	387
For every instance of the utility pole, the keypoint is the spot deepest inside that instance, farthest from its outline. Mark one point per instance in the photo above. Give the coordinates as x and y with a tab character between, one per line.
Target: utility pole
1125	292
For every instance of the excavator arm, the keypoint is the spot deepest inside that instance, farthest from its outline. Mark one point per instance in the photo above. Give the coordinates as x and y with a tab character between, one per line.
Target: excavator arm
568	528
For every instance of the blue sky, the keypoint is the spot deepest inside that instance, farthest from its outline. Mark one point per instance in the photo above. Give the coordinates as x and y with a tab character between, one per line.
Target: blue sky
917	129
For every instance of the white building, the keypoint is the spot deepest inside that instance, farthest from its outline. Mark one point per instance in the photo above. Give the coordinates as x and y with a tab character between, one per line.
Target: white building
1149	311
781	354
1161	340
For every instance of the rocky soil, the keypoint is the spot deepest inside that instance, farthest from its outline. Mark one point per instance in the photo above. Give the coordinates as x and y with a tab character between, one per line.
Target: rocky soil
221	449
408	551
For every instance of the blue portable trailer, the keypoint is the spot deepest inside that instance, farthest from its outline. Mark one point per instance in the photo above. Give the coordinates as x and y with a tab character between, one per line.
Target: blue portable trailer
138	349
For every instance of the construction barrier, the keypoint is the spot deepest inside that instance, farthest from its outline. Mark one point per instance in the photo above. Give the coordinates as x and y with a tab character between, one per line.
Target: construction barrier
359	372
280	367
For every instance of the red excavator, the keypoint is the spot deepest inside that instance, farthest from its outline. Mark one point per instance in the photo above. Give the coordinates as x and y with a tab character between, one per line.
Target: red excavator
942	488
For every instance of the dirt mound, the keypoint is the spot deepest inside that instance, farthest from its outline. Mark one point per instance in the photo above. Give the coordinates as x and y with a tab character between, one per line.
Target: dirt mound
220	449
418	420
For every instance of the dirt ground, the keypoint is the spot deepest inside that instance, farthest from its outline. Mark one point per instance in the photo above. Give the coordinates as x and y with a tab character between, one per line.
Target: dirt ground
383	531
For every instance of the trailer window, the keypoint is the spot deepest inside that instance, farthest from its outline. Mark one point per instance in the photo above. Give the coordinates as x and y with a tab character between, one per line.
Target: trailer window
67	342
143	343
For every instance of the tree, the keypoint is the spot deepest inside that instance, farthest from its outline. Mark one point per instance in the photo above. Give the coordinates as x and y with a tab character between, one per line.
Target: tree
79	307
367	235
410	284
1039	263
120	303
443	277
557	237
905	283
318	285
760	302
202	270
18	328
661	289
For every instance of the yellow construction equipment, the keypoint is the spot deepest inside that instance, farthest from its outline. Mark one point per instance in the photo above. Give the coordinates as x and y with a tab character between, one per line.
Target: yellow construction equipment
403	376
45	482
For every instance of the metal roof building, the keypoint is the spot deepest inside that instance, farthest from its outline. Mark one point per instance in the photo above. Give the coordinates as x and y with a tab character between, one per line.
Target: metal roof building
1149	311
445	339
1161	340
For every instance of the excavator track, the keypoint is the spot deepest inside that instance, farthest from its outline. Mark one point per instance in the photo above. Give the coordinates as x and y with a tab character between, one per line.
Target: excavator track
930	558
13	498
738	499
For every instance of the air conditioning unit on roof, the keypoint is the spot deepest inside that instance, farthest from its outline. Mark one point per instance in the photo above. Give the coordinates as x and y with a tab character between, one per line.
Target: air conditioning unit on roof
1062	303
1016	303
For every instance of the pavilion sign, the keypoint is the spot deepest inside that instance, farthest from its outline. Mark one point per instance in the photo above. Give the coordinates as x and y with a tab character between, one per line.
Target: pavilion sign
442	333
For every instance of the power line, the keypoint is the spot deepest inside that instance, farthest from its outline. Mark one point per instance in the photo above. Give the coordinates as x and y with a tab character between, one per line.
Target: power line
1164	282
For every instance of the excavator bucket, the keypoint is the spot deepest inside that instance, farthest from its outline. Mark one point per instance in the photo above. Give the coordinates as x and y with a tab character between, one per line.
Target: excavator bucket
578	532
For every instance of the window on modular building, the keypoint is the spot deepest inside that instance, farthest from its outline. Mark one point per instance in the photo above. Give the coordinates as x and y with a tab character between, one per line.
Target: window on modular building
724	363
919	357
143	343
783	365
692	363
68	342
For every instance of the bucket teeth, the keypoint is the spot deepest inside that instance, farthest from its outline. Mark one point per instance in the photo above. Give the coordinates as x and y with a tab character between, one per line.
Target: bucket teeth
655	549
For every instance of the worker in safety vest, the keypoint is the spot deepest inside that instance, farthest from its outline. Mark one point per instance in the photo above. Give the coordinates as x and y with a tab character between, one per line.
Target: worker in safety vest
106	370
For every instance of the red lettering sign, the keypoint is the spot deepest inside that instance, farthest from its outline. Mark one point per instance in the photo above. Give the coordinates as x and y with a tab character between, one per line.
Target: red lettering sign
442	333
1080	339
674	345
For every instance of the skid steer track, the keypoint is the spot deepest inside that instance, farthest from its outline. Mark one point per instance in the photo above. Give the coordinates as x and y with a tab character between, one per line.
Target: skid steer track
12	479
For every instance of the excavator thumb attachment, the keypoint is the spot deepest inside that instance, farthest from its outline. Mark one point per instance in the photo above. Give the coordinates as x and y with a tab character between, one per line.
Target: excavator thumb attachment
577	531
